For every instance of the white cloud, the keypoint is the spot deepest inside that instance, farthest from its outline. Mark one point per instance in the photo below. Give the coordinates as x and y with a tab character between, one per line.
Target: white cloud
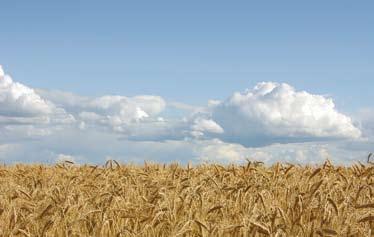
119	113
17	100
1	71
202	125
218	151
24	114
273	111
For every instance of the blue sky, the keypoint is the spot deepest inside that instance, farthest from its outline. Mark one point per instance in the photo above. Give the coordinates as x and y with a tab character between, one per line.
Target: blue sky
208	48
189	52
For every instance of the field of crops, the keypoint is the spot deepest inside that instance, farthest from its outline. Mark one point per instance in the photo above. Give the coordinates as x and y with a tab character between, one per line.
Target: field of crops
171	200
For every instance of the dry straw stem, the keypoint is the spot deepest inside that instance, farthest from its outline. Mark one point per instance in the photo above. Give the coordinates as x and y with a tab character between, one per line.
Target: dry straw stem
172	200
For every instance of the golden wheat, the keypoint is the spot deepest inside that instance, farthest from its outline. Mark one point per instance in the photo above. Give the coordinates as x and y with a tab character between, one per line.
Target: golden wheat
171	200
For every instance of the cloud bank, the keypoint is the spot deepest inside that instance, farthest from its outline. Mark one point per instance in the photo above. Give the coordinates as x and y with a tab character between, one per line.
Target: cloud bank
259	123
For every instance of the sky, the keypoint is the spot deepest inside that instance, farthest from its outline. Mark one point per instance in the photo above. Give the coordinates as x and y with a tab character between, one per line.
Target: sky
186	81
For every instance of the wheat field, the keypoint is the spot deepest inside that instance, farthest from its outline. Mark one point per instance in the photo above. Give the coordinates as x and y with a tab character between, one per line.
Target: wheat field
174	200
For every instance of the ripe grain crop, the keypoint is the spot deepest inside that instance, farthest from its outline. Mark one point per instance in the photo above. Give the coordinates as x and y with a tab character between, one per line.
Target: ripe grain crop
171	200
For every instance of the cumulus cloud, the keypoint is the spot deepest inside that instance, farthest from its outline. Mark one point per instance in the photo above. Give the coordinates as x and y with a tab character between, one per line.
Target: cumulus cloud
138	118
24	114
119	113
275	112
202	125
19	100
120	110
